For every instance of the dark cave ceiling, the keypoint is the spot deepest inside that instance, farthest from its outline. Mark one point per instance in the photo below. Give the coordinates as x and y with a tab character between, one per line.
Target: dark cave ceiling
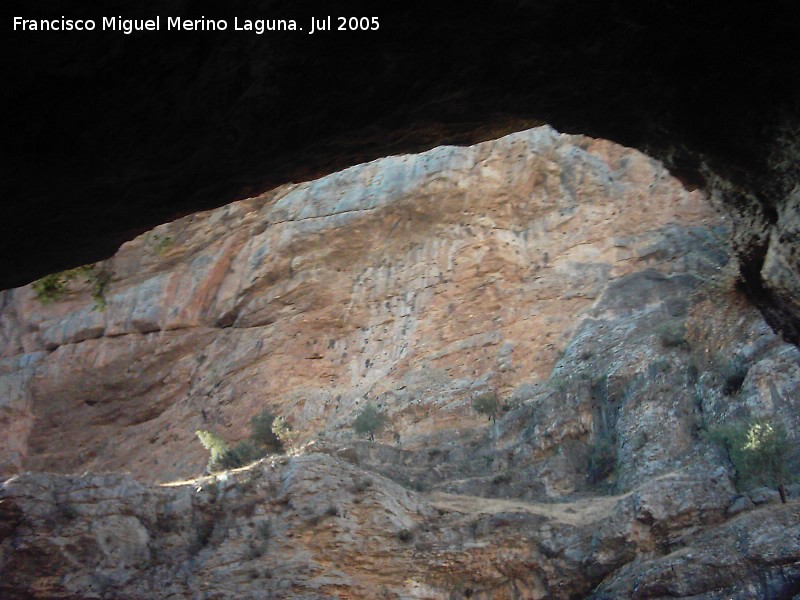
108	135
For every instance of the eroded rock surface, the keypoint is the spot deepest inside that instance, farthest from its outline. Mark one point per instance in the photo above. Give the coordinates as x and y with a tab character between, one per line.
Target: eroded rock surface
575	279
414	279
314	526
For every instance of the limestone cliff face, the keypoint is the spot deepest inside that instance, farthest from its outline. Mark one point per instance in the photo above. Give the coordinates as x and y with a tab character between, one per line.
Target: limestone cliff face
419	278
570	276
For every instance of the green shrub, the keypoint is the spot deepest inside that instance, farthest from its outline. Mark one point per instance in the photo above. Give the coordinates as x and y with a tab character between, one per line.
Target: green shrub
160	244
262	441
262	434
51	288
213	443
283	430
241	454
222	455
759	451
100	281
369	421
486	404
672	334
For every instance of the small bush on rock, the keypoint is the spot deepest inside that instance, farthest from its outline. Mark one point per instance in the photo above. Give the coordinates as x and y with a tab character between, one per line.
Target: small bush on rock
283	430
51	288
760	452
214	444
263	435
369	421
160	243
262	441
672	334
486	404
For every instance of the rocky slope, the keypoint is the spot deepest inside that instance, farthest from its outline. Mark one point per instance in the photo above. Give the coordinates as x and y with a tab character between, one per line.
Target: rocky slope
572	277
314	526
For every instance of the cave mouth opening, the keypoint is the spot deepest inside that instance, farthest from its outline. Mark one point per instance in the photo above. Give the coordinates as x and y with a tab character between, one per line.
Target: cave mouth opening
115	134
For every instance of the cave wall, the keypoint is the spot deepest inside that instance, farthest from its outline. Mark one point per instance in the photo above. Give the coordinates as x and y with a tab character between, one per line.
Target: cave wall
109	134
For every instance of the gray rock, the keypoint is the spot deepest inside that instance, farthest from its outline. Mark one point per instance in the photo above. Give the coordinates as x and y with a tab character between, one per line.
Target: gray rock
764	495
740	558
740	504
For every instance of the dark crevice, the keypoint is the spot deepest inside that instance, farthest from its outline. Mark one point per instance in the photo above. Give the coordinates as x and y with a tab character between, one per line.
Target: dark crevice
751	264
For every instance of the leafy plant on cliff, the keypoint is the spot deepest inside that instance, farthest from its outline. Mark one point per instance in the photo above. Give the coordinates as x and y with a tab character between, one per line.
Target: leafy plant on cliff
215	445
487	405
159	243
759	450
51	288
100	281
369	421
262	433
283	430
672	334
262	441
